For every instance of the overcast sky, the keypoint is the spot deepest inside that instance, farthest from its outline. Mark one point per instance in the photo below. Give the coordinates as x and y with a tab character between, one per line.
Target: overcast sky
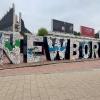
38	13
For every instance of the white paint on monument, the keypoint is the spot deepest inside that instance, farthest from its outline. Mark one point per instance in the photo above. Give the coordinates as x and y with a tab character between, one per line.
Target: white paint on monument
32	50
74	49
86	49
95	48
56	46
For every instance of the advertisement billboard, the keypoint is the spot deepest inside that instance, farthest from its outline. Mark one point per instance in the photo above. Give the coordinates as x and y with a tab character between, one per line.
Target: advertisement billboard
60	26
86	31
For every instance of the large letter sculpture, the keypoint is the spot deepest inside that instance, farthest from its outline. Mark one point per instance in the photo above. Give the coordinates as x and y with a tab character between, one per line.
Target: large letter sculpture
12	48
1	47
95	48
31	51
74	49
56	48
86	49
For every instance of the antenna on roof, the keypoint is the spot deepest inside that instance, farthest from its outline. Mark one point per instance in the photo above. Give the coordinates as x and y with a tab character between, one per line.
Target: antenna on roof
13	5
20	15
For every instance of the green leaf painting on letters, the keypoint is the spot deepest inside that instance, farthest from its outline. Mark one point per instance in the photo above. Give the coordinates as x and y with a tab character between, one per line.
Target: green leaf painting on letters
11	46
13	50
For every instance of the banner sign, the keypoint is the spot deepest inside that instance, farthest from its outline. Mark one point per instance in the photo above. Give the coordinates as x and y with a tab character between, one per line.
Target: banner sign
88	32
60	26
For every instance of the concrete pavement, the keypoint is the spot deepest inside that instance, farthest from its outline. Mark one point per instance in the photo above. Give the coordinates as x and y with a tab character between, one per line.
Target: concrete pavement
79	84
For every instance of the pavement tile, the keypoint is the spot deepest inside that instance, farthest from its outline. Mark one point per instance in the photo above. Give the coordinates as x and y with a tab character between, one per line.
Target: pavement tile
56	84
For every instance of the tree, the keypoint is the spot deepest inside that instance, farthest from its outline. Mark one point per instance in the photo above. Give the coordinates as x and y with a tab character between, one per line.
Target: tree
97	35
42	32
77	33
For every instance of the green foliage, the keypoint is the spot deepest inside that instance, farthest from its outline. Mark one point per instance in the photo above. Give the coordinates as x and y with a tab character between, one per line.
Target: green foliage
96	35
77	33
42	32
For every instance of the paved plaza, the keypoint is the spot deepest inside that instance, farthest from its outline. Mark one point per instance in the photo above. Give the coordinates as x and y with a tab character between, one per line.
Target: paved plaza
65	81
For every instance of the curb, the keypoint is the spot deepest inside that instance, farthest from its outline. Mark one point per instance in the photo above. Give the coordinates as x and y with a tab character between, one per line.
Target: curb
12	66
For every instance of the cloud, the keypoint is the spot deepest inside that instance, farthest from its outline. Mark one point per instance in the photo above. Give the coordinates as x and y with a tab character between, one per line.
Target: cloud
38	13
